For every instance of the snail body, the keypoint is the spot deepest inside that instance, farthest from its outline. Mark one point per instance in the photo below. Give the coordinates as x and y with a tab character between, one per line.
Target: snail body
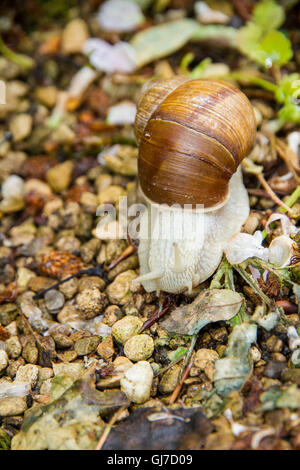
192	136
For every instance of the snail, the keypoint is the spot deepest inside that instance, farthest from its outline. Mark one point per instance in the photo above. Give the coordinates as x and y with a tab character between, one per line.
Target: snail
192	136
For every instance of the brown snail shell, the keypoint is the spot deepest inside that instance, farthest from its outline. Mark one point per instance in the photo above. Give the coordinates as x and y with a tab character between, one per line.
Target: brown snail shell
192	136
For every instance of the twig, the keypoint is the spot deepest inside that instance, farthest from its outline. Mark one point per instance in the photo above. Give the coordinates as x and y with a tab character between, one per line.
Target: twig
252	283
108	427
271	193
19	59
262	193
187	365
292	199
162	310
128	251
164	369
37	338
178	388
189	354
96	271
289	157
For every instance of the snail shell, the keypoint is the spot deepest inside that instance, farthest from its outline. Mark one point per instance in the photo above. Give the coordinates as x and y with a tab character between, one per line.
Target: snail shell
192	136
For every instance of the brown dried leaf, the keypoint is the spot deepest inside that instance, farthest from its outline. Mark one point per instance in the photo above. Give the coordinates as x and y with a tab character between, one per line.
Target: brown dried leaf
181	429
4	334
60	264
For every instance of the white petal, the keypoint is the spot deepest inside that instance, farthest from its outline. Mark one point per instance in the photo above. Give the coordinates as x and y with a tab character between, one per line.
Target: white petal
94	44
120	15
286	224
243	246
125	57
294	141
281	250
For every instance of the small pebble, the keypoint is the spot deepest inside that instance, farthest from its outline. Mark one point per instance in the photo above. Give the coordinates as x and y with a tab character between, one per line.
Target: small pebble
29	374
91	302
59	176
68	356
170	379
13	347
88	282
74	36
119	291
139	347
88	250
112	314
68	314
20	126
3	360
137	382
46	387
125	328
47	95
54	300
62	341
69	288
205	360
106	348
23	277
111	194
14	366
86	345
255	353
274	343
68	243
12	406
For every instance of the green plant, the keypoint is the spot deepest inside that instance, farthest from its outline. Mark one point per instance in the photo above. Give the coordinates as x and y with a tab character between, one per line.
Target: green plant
259	39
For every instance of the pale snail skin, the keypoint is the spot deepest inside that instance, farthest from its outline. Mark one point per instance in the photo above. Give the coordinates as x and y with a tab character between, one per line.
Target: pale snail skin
178	265
177	268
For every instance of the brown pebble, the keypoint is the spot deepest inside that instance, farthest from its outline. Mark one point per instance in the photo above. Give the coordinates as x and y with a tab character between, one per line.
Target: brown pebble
106	348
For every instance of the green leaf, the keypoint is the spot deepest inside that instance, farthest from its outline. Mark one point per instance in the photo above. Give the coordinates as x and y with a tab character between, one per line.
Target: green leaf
197	71
224	35
249	38
177	354
290	113
277	49
209	306
268	15
273	48
232	369
4	440
143	4
70	422
289	87
288	92
160	41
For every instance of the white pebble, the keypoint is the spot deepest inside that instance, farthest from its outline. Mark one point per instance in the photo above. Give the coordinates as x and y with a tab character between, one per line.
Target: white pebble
3	360
14	389
12	187
28	374
122	113
137	382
